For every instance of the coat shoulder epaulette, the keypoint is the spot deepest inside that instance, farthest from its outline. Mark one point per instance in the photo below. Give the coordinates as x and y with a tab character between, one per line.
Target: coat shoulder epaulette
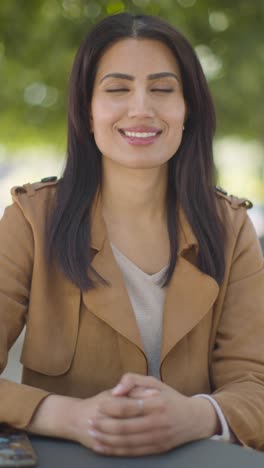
234	201
30	189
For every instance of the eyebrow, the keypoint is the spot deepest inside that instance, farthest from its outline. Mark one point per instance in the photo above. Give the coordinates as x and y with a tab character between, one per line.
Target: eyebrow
153	76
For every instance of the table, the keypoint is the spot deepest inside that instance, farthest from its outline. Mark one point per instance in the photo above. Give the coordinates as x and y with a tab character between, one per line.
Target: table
57	453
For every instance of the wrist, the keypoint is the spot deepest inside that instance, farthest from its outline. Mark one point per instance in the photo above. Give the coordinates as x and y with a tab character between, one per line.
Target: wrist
54	417
207	423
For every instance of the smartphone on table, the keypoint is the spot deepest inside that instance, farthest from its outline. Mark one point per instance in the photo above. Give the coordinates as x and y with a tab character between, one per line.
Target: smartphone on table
15	448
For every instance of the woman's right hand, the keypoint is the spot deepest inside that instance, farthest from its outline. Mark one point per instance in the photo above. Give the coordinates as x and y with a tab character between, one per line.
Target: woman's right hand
70	418
67	417
84	411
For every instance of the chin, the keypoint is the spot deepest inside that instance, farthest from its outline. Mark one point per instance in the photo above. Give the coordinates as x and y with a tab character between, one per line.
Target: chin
141	164
136	162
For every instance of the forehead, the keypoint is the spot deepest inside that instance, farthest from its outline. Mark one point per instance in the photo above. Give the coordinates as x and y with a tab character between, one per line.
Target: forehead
137	57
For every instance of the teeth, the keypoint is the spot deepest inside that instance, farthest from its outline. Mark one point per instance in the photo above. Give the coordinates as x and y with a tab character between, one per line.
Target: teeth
140	134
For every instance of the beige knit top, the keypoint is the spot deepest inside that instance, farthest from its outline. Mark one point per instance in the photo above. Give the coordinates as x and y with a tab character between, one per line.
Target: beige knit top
147	299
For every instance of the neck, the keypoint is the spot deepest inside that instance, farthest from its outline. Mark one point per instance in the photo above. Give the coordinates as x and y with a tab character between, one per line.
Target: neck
133	194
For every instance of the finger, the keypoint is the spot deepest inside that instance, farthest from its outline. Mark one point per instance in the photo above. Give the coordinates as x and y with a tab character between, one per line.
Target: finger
133	425
124	407
151	449
129	381
129	440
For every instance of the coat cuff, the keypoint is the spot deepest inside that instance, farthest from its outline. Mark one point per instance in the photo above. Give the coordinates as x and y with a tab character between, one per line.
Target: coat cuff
19	403
226	435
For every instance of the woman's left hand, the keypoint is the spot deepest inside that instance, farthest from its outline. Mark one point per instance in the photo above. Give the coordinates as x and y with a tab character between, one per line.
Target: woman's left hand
147	416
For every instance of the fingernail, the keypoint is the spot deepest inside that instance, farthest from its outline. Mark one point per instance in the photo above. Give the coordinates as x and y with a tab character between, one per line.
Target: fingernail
119	388
99	448
91	422
93	433
150	391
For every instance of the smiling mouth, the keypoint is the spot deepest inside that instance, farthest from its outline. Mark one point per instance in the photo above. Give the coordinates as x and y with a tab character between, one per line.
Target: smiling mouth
140	134
140	137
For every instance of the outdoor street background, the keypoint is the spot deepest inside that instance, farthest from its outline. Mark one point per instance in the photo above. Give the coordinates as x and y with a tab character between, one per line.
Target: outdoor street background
38	41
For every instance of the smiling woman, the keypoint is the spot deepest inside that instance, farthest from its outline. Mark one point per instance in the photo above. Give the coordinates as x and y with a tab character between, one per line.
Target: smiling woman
135	276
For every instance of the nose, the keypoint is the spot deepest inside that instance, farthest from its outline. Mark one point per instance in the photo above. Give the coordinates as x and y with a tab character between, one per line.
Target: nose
140	105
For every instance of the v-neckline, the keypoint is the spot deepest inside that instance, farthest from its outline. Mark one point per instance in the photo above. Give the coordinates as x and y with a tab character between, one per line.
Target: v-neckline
153	276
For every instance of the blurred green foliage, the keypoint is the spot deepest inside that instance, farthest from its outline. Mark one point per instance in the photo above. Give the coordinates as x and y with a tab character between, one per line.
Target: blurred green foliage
39	38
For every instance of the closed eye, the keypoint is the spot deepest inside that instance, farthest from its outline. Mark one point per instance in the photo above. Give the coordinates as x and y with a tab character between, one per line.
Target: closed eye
159	90
162	90
119	90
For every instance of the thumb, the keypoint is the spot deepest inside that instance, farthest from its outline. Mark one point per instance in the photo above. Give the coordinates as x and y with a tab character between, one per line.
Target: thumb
142	393
130	381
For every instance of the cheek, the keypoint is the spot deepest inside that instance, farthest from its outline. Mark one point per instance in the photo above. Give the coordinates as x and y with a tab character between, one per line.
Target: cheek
105	113
177	117
103	123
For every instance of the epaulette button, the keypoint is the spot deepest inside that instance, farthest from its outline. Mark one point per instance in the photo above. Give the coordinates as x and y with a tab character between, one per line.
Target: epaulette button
248	204
19	190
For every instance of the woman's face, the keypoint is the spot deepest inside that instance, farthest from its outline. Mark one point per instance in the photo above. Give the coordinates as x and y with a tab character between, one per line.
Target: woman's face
137	108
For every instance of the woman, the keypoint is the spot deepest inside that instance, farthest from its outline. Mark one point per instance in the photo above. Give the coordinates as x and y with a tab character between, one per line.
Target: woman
141	285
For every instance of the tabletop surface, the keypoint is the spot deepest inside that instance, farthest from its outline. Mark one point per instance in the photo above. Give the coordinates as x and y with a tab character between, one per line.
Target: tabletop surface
203	454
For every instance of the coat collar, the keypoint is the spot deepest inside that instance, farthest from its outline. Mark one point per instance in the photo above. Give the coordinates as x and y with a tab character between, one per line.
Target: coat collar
189	296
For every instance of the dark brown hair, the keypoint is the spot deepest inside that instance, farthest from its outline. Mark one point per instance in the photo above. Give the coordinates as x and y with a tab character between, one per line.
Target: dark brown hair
190	170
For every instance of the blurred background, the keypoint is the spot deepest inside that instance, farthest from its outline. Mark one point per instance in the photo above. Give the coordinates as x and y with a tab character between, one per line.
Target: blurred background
38	41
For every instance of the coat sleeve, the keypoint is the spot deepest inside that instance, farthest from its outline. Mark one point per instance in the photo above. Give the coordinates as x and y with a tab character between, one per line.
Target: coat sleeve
17	402
237	366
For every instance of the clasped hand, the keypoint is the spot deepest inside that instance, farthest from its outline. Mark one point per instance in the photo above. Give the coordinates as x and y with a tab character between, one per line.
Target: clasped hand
140	416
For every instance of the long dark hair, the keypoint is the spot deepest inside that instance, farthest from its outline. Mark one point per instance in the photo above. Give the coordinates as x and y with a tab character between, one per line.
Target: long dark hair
190	170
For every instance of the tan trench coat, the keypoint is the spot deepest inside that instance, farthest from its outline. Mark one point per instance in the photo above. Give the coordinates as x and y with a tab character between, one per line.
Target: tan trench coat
212	341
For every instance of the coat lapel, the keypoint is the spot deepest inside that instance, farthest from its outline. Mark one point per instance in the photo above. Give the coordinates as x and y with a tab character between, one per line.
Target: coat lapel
190	294
110	303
